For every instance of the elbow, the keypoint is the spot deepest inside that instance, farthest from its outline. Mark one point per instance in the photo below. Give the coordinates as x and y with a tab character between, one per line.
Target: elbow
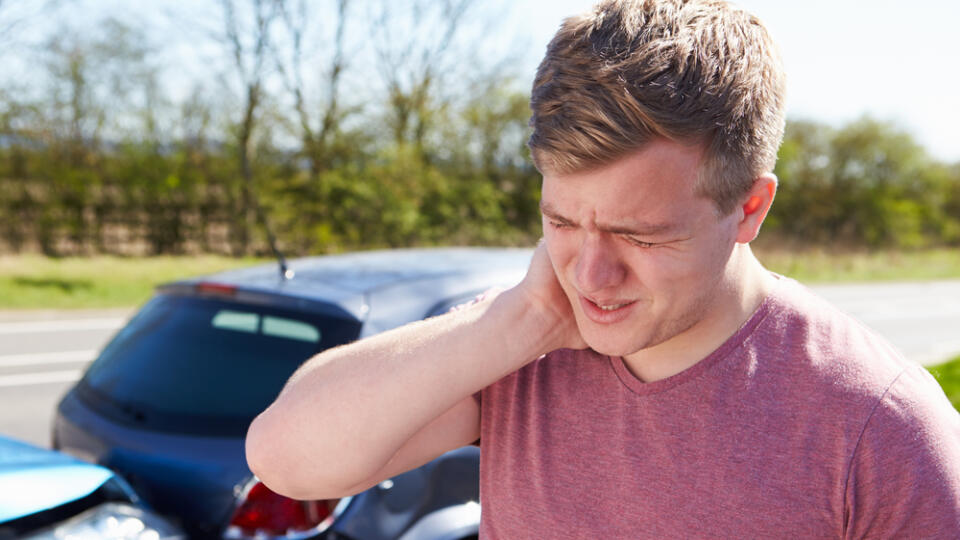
291	468
270	460
261	456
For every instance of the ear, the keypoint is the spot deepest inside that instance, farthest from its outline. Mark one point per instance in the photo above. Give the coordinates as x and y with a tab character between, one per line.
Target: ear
753	210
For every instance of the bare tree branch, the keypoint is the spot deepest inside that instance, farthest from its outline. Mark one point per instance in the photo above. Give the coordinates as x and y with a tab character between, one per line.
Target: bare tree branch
415	65
315	136
249	62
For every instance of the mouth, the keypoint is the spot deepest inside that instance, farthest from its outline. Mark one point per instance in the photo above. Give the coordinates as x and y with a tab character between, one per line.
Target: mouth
611	307
606	312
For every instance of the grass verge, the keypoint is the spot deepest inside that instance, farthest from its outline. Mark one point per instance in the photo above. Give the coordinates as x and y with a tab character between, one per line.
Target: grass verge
37	282
948	375
819	265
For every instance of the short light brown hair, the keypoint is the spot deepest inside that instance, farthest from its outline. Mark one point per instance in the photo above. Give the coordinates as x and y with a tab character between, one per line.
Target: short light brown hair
692	71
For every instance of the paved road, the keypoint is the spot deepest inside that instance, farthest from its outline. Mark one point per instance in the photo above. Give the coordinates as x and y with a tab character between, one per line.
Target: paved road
43	353
922	319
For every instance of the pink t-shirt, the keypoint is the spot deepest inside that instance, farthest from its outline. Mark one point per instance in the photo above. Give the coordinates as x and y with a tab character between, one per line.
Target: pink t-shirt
804	424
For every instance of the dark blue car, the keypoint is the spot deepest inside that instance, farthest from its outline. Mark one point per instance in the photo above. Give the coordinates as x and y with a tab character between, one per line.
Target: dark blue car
168	401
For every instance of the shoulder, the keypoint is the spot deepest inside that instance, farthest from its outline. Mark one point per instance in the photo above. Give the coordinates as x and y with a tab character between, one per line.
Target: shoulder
903	435
894	434
828	370
914	416
814	339
904	476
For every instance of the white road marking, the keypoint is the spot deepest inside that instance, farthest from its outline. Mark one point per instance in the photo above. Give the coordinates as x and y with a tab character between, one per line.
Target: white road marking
33	327
35	359
47	377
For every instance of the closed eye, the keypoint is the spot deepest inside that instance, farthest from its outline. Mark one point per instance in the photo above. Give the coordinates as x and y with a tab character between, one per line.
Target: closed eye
637	242
559	224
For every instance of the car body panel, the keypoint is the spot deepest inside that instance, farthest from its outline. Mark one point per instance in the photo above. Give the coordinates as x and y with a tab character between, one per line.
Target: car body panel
34	479
450	523
46	494
194	478
351	280
450	481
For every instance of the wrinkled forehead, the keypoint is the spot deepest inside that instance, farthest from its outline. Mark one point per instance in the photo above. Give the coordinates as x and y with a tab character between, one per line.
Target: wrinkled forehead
654	184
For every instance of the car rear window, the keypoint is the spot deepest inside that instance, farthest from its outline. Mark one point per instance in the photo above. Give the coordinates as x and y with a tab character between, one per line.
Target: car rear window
205	365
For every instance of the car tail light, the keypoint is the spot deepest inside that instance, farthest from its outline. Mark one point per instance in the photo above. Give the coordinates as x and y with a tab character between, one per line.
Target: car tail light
261	511
209	287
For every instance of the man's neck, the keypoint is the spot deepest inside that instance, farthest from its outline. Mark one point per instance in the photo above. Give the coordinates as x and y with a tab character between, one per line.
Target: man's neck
745	286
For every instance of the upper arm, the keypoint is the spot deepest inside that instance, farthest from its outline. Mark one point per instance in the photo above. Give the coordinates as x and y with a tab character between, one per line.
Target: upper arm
458	426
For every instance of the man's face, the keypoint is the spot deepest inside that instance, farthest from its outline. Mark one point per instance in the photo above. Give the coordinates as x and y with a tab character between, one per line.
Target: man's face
641	257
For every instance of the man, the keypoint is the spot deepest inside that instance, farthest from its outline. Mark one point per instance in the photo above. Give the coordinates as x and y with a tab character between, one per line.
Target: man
648	378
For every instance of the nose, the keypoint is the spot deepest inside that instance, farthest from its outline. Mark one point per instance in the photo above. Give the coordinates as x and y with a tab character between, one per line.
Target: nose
598	265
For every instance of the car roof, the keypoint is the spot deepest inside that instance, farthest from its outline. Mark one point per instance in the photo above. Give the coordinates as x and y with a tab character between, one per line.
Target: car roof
349	280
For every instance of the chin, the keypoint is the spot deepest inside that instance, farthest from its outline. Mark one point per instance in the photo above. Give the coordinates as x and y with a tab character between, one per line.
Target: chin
622	339
611	347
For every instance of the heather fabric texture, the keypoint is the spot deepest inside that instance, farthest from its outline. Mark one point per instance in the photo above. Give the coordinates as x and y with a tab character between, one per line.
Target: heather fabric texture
804	424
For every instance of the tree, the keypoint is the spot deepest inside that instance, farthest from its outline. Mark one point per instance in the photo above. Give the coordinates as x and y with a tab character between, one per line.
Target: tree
866	184
317	129
416	57
247	38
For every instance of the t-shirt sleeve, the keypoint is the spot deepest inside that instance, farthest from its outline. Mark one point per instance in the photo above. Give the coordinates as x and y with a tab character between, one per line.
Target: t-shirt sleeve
904	477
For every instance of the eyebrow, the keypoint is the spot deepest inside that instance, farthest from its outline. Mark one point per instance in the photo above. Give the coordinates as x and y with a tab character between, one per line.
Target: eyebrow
637	228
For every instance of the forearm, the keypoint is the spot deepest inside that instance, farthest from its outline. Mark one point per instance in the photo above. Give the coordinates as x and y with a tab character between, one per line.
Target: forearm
346	412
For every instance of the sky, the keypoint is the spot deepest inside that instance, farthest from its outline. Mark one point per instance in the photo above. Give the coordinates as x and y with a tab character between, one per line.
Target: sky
894	60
